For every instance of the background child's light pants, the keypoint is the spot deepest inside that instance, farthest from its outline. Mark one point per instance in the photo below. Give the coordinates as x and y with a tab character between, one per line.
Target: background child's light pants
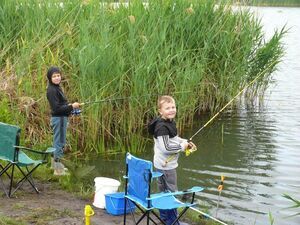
59	126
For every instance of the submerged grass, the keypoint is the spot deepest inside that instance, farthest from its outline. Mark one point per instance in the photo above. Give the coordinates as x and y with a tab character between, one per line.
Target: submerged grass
205	52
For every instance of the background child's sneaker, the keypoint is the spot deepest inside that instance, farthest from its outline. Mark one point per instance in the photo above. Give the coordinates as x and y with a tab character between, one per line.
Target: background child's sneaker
60	169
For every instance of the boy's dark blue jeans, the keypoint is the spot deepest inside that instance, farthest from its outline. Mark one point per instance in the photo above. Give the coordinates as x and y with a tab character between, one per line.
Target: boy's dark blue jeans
169	216
168	182
59	127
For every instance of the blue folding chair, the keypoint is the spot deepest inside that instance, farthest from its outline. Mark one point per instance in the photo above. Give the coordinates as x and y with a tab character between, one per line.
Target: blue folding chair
139	175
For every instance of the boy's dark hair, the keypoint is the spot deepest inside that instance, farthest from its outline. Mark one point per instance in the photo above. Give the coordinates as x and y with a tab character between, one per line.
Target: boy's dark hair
51	71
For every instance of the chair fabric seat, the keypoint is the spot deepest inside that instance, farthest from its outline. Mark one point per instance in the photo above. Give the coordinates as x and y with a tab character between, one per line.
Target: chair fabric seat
169	202
25	160
139	201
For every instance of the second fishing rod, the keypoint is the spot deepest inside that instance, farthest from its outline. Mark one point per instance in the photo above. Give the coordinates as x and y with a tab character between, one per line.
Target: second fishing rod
188	151
77	112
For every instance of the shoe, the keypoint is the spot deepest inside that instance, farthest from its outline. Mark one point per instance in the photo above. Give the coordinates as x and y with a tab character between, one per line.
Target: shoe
66	169
60	169
63	166
59	172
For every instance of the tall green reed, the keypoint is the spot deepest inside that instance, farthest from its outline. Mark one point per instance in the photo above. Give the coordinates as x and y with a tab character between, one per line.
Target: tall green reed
289	3
203	52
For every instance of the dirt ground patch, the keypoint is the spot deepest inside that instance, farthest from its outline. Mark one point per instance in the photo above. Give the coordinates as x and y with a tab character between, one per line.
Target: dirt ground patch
52	206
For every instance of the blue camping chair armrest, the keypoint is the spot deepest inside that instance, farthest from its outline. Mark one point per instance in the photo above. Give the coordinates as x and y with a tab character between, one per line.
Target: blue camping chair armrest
165	194
156	174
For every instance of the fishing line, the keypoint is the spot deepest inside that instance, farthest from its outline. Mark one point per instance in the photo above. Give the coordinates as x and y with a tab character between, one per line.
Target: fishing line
125	98
77	112
220	189
171	157
225	106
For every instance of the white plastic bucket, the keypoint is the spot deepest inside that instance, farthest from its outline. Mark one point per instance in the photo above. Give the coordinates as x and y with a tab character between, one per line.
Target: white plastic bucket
104	185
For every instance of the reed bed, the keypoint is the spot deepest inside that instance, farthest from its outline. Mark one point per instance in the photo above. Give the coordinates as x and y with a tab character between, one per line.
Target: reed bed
201	53
285	3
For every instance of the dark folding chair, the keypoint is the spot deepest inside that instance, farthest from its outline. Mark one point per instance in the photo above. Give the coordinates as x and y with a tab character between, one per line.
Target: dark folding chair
13	156
139	175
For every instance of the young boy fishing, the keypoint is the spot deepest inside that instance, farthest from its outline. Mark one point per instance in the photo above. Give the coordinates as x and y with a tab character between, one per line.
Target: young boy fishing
60	110
167	146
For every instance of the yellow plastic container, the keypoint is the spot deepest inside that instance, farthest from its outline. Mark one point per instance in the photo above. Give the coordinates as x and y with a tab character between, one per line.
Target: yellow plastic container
88	212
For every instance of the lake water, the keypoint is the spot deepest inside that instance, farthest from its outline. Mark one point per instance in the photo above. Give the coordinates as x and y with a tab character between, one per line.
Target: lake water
257	147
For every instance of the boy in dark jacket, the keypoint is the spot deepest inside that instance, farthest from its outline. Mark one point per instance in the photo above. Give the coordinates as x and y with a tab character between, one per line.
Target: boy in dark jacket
60	110
167	146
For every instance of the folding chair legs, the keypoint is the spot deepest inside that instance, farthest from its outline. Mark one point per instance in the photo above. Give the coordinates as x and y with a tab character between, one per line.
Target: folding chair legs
145	214
148	217
3	187
176	221
28	177
11	180
4	170
25	177
158	217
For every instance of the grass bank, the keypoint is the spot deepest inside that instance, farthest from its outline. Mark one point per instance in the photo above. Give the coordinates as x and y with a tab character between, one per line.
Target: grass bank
204	53
284	3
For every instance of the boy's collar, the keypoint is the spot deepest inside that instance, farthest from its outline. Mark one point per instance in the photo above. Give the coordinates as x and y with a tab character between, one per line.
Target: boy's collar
57	85
166	120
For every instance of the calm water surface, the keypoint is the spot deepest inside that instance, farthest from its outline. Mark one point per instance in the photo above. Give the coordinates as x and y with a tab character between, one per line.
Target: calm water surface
257	147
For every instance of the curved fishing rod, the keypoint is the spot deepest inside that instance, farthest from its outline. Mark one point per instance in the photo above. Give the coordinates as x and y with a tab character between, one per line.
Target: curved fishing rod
125	98
188	151
207	215
228	103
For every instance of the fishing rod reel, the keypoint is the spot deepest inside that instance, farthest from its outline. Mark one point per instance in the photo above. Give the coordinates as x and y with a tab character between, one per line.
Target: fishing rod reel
76	112
191	148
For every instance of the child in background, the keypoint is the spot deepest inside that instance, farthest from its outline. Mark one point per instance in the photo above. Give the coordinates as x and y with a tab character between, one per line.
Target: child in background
60	110
167	146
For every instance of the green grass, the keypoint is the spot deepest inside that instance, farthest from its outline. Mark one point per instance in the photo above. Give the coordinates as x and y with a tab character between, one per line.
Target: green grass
286	3
10	221
296	204
205	54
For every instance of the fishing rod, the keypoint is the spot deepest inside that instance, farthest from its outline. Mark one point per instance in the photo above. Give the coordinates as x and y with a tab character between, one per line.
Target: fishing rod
188	151
225	106
125	98
208	216
77	112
